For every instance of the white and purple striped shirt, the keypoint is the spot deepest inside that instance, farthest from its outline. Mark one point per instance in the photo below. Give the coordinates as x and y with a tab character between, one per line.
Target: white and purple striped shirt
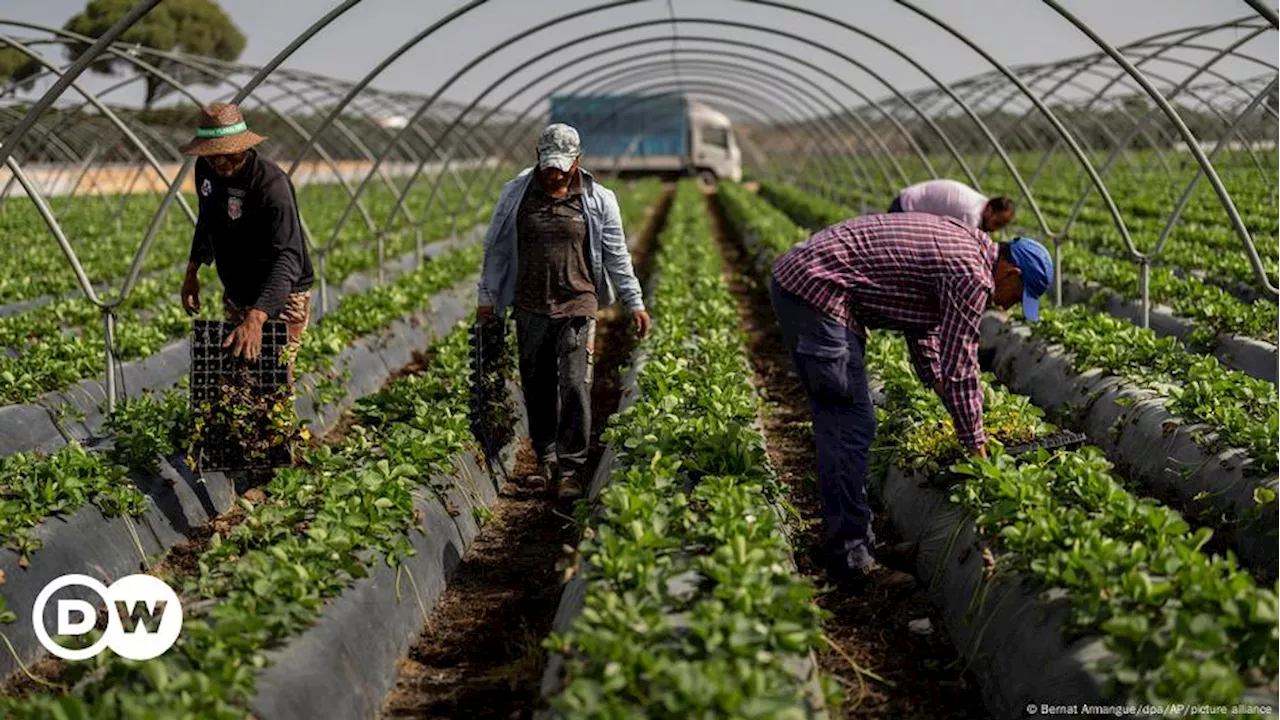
927	276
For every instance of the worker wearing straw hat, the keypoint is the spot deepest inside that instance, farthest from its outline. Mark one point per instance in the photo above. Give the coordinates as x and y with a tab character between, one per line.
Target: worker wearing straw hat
249	229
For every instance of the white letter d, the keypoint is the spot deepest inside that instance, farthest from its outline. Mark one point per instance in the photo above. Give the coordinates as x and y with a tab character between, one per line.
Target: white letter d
81	626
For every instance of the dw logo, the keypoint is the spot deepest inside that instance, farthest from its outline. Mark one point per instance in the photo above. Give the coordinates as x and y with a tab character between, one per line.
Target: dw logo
145	623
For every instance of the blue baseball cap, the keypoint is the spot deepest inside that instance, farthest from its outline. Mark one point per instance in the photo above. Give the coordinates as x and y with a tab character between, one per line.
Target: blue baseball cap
1036	266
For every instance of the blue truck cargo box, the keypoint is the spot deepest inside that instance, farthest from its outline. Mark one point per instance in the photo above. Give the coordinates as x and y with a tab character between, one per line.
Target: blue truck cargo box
635	125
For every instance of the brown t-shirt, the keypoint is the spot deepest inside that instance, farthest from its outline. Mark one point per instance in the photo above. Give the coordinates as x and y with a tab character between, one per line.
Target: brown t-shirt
553	277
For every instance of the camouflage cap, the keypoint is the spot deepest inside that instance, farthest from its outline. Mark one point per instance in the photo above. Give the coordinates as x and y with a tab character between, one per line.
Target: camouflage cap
558	147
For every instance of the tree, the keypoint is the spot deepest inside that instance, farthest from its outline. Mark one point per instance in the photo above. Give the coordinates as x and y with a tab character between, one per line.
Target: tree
17	70
197	27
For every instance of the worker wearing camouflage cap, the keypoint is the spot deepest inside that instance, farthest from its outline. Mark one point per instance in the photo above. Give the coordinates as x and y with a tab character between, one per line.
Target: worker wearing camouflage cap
554	253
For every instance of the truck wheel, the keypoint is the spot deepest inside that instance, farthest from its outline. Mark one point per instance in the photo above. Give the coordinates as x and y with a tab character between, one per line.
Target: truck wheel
707	179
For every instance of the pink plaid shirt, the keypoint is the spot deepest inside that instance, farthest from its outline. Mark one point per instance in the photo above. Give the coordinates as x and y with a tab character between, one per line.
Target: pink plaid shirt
930	277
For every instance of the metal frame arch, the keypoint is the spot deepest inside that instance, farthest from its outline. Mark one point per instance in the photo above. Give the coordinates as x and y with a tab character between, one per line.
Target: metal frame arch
203	66
73	71
684	51
643	72
107	112
582	81
1193	146
1053	119
727	23
837	112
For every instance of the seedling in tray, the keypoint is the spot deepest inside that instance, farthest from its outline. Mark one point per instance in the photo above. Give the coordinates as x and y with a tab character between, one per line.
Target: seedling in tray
1052	441
242	412
491	411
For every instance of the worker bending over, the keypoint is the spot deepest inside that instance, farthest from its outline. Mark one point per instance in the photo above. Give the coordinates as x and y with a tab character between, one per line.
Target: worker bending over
951	198
554	252
929	277
250	230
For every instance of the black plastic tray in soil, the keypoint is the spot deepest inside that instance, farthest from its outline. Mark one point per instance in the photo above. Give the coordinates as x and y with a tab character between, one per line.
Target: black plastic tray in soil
214	369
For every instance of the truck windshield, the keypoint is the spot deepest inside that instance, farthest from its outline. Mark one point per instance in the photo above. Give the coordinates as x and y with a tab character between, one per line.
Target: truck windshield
717	136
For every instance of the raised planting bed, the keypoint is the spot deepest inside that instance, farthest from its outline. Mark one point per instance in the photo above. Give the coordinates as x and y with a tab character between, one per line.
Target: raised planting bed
1190	431
808	210
684	601
94	528
1257	358
268	581
77	412
1059	587
302	608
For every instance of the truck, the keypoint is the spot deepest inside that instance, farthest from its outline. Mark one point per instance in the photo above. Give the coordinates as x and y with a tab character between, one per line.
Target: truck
662	134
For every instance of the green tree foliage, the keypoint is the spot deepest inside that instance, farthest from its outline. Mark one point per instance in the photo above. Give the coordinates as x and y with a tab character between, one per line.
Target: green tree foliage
17	70
198	27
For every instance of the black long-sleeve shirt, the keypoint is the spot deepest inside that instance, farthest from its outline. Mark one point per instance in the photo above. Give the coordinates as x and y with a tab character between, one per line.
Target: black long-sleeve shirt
250	230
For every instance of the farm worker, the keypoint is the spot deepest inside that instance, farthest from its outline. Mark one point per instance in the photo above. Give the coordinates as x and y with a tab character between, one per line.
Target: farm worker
250	230
554	253
951	198
927	276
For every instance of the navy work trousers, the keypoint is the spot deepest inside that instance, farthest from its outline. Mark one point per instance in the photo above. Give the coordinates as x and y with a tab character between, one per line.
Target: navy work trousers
829	360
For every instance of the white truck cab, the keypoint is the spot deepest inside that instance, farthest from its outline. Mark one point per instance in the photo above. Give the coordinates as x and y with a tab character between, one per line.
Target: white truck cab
715	153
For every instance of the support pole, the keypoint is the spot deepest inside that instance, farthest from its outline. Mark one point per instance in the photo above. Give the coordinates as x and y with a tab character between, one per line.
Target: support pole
324	284
1057	270
108	344
1144	287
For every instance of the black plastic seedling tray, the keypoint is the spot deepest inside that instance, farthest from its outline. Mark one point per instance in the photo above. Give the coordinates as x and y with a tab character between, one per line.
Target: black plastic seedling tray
1052	441
213	367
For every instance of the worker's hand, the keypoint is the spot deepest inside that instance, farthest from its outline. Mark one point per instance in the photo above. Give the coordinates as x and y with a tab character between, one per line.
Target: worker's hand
246	340
937	386
484	313
642	322
978	452
191	293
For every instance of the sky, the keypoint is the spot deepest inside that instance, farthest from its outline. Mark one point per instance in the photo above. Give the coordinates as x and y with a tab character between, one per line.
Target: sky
1014	31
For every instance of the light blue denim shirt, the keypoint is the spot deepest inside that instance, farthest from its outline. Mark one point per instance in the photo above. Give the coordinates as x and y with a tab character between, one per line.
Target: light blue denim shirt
610	260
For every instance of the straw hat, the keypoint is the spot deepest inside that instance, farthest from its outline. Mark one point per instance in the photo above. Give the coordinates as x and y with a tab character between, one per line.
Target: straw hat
221	131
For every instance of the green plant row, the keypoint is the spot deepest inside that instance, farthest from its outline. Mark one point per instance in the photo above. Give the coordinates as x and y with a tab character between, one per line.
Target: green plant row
752	215
808	210
34	266
34	486
1214	310
1181	625
1242	410
58	344
692	606
322	526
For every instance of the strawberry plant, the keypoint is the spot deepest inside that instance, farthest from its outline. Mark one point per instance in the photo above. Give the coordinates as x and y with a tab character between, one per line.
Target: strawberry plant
692	605
1181	625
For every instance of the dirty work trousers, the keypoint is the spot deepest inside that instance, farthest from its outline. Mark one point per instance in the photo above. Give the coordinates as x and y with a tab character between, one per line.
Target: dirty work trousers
828	357
555	373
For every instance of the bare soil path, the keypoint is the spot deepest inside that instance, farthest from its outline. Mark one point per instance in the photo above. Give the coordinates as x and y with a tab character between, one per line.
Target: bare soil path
870	627
480	655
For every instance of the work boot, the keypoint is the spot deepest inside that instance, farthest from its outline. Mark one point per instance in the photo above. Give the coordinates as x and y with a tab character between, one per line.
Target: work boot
570	487
546	475
877	575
